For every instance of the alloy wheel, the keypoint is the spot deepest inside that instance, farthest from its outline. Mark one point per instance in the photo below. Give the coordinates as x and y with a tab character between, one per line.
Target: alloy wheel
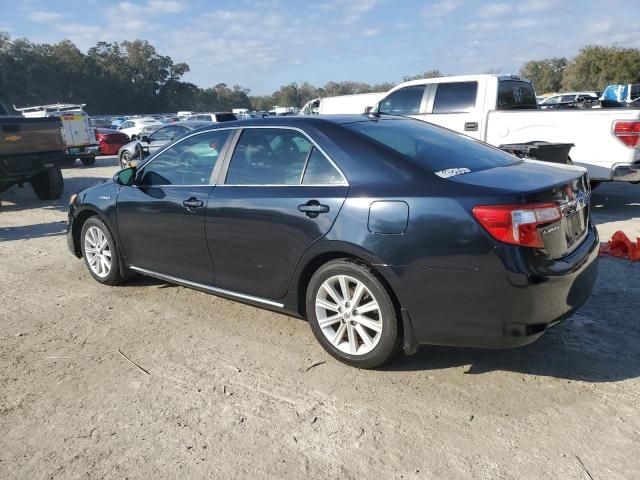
97	252
348	315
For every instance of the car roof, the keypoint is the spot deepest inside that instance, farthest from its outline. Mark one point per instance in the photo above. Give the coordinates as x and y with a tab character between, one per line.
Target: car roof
303	120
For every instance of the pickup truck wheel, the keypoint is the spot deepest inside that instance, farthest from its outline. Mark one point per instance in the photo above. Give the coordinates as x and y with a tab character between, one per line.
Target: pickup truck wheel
49	184
100	252
88	160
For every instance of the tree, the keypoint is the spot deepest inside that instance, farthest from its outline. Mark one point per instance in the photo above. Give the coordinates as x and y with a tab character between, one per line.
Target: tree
546	75
428	74
596	67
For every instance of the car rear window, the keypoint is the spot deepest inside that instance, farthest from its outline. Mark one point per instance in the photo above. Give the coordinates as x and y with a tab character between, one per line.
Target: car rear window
441	151
514	94
225	117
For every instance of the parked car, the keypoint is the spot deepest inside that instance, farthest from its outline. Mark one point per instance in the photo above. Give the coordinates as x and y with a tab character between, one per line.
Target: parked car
212	117
502	109
32	150
100	122
111	140
78	134
141	148
381	231
116	122
569	97
135	127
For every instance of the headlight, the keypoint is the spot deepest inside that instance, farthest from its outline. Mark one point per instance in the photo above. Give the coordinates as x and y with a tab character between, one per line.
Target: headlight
72	198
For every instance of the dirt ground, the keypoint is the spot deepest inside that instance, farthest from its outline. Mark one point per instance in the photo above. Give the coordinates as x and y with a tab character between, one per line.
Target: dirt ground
230	392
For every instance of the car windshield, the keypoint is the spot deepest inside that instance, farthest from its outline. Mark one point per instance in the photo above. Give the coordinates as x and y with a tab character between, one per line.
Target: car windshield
434	148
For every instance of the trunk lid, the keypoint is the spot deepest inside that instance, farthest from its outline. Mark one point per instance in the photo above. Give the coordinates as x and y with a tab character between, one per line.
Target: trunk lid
533	182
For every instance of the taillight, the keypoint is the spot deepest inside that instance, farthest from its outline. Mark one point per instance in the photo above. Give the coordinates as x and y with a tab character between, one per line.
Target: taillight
63	136
628	132
517	224
95	132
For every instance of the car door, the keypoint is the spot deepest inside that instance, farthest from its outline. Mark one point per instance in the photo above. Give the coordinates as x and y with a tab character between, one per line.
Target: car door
280	193
161	217
456	106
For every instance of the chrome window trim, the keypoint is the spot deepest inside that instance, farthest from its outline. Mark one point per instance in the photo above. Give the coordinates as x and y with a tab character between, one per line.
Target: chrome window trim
281	127
222	291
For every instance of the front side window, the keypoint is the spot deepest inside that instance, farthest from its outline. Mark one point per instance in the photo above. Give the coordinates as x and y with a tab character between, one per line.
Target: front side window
455	97
405	101
268	156
190	162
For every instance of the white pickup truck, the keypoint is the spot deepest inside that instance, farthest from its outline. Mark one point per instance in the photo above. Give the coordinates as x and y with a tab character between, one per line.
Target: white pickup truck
502	109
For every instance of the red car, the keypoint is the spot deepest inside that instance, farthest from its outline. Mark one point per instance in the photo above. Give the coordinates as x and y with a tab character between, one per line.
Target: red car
111	140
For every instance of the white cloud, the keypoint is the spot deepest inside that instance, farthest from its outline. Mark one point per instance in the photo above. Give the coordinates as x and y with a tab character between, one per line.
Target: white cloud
164	6
371	32
45	17
535	6
494	10
441	9
348	12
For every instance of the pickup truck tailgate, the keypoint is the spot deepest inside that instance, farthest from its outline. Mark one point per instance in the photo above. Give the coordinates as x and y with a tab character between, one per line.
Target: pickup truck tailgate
20	135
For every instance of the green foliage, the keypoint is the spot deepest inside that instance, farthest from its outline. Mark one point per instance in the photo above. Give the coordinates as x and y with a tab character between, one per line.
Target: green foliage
546	74
596	67
428	74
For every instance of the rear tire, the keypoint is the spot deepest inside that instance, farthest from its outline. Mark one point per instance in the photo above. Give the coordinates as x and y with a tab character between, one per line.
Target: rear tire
48	185
88	160
100	252
365	338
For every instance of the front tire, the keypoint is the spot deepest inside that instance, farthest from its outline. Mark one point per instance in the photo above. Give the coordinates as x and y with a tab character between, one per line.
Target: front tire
49	184
352	315
100	252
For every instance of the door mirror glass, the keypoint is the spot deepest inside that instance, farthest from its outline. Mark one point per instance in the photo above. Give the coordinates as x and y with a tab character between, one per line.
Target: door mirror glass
126	177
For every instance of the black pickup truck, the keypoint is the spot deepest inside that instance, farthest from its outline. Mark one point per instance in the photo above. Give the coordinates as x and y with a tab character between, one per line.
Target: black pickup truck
31	151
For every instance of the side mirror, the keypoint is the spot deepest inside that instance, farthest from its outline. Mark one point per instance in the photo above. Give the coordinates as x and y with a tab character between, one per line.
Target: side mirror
126	176
145	139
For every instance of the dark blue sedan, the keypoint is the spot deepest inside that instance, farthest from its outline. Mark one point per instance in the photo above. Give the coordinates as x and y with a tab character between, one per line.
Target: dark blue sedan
384	232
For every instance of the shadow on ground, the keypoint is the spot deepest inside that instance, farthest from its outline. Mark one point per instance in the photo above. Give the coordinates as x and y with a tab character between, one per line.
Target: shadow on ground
26	232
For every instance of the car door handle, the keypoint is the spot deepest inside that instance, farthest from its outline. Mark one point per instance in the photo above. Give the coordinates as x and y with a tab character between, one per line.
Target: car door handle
193	203
313	208
471	126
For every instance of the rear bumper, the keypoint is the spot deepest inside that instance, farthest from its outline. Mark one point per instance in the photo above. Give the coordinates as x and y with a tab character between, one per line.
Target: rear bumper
627	173
507	302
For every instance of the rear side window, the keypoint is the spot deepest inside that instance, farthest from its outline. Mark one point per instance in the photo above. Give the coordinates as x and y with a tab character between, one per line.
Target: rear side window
433	148
268	156
320	171
3	111
405	101
455	97
514	95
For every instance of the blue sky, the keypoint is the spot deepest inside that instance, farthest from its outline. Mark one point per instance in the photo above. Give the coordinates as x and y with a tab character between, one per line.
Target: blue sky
262	44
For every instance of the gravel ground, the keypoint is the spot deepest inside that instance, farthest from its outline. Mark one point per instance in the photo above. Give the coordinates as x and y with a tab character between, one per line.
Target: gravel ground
226	390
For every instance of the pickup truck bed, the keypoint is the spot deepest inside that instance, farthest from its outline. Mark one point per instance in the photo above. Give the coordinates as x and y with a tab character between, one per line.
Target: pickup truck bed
32	151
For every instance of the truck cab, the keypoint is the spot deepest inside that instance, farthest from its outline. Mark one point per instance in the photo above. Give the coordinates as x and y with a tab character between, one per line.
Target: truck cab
502	110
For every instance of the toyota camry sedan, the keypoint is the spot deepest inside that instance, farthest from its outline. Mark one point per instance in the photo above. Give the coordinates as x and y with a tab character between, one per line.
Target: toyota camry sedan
384	232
